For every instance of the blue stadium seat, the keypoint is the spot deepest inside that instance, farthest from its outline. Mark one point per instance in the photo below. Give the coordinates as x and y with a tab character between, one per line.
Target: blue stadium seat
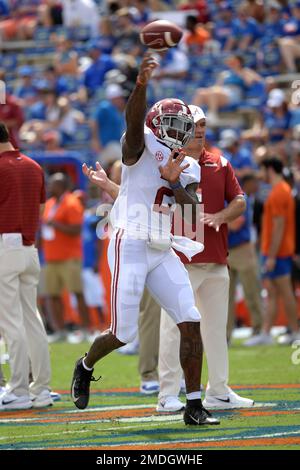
9	62
68	84
42	34
256	94
81	33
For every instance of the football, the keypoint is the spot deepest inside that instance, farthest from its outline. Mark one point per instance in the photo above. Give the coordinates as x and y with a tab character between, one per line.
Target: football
159	35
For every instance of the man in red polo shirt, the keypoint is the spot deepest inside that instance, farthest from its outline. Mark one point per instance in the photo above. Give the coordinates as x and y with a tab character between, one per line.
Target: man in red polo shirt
209	277
22	196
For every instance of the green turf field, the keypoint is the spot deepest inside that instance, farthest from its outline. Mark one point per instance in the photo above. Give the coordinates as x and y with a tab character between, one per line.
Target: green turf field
120	418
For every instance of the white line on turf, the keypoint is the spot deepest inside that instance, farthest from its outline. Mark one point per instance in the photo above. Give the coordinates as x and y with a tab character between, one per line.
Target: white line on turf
166	417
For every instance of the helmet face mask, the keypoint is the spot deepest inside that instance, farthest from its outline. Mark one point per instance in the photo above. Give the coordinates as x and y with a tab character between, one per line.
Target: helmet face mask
172	123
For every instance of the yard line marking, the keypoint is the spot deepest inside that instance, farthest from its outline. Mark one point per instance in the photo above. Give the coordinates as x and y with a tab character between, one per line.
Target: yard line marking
78	431
49	417
110	408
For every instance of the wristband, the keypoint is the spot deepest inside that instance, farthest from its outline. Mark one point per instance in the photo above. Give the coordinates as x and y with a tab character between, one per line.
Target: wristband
176	185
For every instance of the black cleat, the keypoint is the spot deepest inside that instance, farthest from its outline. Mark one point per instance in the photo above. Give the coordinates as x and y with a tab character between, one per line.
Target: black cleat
80	388
197	415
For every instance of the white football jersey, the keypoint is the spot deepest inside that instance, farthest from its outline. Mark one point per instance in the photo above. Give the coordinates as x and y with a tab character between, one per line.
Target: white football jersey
144	205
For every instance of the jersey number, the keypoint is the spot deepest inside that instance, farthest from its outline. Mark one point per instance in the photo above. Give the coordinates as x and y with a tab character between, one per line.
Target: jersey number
158	202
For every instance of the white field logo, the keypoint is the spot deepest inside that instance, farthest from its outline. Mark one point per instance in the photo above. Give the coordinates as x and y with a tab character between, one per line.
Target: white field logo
295	357
2	92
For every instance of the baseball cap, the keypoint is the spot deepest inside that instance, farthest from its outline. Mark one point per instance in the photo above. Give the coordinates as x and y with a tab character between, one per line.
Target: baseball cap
113	91
197	113
276	98
274	5
228	137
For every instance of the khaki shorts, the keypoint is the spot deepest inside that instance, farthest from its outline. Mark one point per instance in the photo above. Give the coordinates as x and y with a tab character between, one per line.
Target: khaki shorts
63	274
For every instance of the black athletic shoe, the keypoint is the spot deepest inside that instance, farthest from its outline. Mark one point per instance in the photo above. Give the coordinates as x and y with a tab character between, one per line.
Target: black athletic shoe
80	388
197	415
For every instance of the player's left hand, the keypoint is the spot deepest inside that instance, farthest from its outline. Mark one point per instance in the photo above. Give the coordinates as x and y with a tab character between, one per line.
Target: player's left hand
98	176
173	169
213	220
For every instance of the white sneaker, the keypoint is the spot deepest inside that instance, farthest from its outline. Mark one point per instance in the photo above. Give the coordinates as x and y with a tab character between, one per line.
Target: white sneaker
57	337
55	396
10	401
288	338
169	404
90	337
41	400
259	340
232	400
129	349
182	386
151	387
76	337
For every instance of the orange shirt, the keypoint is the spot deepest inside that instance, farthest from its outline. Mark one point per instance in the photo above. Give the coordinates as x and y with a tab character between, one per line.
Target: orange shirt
59	246
280	203
198	38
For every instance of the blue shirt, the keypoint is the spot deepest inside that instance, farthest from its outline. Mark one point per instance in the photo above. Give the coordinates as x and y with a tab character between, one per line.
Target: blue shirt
4	10
89	239
249	27
243	235
271	31
277	125
232	78
25	91
222	31
291	27
241	159
94	75
111	122
37	111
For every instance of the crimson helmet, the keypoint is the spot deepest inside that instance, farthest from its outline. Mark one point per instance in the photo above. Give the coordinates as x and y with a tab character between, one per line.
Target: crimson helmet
171	121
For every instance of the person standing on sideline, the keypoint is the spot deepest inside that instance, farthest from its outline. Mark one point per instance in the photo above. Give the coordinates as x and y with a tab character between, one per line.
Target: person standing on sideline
22	198
278	248
62	246
242	261
209	277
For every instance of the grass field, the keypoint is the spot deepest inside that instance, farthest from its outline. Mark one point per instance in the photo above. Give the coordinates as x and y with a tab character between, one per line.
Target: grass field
120	418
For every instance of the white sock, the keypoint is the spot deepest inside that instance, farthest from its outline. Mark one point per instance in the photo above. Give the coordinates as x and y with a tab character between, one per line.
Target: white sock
193	396
85	366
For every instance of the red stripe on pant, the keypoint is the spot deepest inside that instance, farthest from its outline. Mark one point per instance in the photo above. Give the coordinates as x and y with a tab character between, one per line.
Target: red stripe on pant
115	280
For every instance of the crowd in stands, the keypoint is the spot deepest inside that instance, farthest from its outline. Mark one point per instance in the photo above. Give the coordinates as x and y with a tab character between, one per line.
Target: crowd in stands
69	65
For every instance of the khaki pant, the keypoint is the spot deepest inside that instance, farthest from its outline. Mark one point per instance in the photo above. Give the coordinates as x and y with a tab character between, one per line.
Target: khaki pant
210	283
242	262
20	321
63	274
149	321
